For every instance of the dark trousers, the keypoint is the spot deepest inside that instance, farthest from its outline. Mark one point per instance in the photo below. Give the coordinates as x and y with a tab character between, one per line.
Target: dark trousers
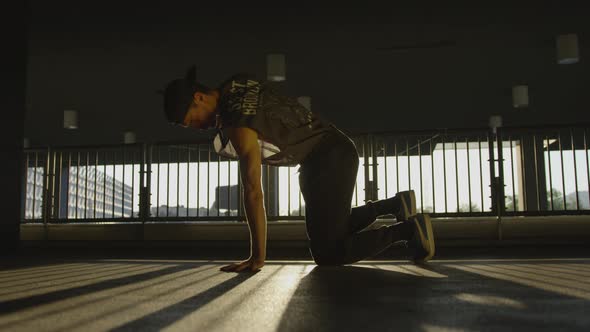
327	178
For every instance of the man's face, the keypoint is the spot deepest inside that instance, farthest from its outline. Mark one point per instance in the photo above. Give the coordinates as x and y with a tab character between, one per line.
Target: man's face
194	118
201	112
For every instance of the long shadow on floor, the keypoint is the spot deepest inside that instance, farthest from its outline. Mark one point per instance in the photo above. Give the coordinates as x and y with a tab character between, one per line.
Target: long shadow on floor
160	319
367	299
36	300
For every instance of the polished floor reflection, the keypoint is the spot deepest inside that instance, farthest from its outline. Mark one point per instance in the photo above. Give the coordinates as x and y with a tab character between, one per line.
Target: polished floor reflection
193	295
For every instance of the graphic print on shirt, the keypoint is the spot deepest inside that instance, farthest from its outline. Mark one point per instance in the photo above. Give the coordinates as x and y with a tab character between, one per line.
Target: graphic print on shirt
244	96
290	130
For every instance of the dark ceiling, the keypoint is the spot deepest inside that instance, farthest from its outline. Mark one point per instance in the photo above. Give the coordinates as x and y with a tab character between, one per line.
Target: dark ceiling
366	67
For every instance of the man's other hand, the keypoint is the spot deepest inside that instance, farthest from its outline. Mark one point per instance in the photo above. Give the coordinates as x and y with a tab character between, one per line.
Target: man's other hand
249	265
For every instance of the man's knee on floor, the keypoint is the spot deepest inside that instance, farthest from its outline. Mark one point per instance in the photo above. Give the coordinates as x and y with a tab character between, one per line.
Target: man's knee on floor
329	256
327	261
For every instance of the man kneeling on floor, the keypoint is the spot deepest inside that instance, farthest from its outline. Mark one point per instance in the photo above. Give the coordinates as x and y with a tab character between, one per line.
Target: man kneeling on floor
256	125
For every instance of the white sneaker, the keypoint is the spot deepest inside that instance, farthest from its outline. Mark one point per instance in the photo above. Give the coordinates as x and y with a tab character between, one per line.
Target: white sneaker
407	206
423	238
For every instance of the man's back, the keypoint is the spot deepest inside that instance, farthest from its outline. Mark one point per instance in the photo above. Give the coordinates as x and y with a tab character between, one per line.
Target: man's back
287	131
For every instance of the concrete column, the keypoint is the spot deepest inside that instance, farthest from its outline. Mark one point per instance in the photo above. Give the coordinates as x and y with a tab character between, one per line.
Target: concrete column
12	87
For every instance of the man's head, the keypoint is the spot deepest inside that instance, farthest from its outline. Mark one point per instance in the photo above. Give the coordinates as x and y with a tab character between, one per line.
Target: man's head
190	104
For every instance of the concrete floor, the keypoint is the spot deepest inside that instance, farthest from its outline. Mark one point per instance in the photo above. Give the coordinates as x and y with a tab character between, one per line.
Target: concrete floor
485	293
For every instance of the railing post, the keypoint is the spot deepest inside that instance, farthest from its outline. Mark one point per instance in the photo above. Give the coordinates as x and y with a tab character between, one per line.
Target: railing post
500	191
366	163
374	164
145	169
47	188
493	180
497	182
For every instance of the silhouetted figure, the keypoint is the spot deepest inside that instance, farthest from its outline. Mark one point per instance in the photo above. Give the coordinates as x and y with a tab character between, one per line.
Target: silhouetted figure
257	125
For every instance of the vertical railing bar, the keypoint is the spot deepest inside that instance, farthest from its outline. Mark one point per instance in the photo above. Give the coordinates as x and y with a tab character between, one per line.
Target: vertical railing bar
523	173
355	190
26	205
362	147
432	174
421	182
168	183
133	182
123	185
52	200
278	195
562	170
289	191
46	172
35	183
385	163
512	171
77	182
217	194
550	175
158	176
491	162
177	148
267	192
396	165
575	167
208	177
54	189
444	171
228	213
69	185
86	185
587	164
468	173
145	159
240	194
408	157
356	193
53	195
188	174
374	165
59	185
55	200
480	172
366	168
46	186
299	196
456	172
104	187
114	181
536	171
95	182
198	176
500	149
145	180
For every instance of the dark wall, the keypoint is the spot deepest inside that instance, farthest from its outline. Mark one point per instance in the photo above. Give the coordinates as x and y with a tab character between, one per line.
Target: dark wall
107	61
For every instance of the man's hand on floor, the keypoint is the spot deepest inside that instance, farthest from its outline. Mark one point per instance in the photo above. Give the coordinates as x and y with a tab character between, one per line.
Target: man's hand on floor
249	265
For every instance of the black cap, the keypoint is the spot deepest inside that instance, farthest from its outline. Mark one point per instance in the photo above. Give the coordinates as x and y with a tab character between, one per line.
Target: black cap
179	95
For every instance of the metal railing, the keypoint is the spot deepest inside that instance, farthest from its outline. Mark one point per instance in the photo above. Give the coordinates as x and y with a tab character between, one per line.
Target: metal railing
475	172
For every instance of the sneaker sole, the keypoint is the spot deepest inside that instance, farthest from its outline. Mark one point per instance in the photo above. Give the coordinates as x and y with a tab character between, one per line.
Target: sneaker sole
430	235
408	210
429	238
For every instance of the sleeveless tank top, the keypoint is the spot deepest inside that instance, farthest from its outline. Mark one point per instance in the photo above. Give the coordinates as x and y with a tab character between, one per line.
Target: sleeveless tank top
287	131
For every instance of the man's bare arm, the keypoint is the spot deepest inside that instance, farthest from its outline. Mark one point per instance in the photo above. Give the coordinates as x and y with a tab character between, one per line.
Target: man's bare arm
245	142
